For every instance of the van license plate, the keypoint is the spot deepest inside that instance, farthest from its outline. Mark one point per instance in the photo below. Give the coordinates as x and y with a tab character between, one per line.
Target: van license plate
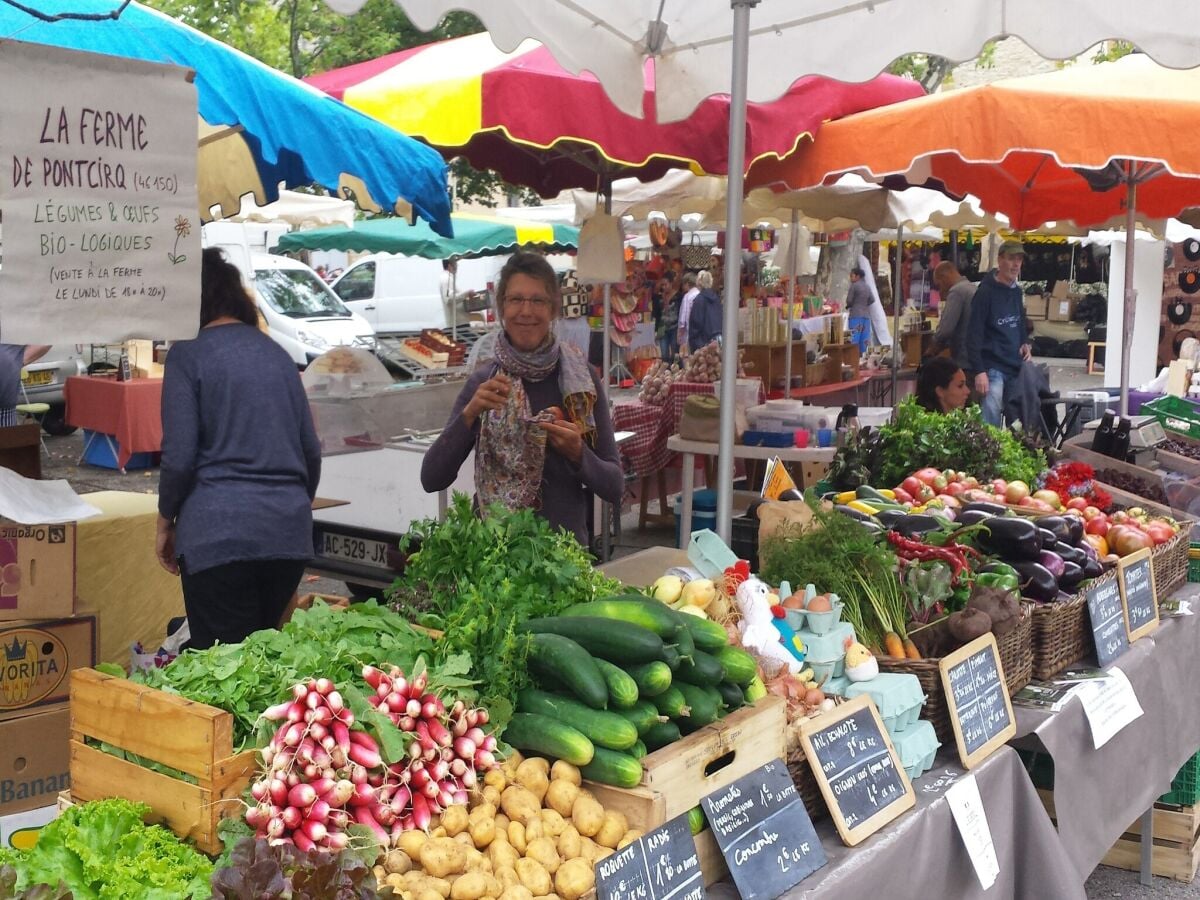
42	376
354	549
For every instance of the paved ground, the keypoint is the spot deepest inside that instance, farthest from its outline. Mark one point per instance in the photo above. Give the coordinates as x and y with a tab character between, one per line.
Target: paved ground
1105	882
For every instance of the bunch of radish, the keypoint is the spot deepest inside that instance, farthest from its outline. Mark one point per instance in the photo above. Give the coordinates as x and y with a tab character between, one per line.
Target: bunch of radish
447	750
322	774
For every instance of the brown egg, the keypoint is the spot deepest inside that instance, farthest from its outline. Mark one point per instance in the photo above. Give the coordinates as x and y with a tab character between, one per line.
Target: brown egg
820	603
796	601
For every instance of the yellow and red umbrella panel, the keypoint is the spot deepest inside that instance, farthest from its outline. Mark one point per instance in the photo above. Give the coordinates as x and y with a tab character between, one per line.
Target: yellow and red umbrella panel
510	112
1033	148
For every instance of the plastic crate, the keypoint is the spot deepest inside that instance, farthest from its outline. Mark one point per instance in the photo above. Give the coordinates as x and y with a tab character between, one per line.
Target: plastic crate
1183	790
743	540
1194	562
1175	414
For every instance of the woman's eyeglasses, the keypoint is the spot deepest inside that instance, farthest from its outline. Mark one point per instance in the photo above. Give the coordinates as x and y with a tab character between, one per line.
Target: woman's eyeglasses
539	302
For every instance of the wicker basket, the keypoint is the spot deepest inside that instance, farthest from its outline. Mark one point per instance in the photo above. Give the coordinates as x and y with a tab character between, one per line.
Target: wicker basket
806	785
1061	634
1170	563
933	640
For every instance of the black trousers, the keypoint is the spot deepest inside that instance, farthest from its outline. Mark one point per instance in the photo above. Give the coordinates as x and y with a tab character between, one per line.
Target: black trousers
228	602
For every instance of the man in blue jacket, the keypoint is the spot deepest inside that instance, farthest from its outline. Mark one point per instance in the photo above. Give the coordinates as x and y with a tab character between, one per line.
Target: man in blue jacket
997	341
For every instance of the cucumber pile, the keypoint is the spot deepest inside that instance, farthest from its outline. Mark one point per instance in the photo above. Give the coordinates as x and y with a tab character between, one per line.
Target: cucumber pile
622	677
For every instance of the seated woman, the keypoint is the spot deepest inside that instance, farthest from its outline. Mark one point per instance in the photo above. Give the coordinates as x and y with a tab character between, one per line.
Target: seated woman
535	414
942	385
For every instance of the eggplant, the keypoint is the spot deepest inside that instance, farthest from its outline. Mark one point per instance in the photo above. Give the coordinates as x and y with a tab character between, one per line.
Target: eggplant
889	517
1075	528
1011	538
1037	582
1071	553
972	516
1049	538
871	525
1053	562
855	514
992	509
1071	576
1057	524
917	525
1093	568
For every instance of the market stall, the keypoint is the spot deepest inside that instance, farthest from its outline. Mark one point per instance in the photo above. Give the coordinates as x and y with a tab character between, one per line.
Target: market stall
122	421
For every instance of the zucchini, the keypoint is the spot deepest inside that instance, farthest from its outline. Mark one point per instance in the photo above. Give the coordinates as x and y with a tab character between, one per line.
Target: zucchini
548	737
696	821
618	642
631	609
703	704
638	750
660	735
740	666
707	634
703	669
671	656
604	729
643	715
672	703
563	660
755	690
613	767
622	689
731	694
684	643
651	678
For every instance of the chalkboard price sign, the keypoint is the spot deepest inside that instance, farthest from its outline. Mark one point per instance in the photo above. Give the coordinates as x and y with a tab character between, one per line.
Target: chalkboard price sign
977	696
1107	612
764	832
1136	575
657	865
856	767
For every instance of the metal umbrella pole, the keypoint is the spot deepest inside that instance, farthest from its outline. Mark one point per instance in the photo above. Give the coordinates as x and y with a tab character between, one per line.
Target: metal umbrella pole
733	262
897	344
1130	295
606	361
793	241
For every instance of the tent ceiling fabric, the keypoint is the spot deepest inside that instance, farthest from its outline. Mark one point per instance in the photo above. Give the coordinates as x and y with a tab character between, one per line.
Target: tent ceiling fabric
851	41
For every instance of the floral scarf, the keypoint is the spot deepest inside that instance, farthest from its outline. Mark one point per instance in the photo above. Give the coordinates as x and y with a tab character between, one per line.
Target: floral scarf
511	451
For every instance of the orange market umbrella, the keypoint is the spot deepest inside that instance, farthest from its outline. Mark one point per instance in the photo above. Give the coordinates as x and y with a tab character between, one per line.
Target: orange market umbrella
1085	144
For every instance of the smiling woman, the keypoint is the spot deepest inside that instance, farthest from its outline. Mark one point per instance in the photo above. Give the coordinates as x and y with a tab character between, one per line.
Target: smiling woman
535	415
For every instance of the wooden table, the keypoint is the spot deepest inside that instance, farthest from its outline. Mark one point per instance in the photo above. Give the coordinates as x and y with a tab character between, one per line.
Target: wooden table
127	411
690	449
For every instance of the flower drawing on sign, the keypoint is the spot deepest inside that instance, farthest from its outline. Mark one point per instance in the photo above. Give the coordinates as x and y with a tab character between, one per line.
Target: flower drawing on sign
183	227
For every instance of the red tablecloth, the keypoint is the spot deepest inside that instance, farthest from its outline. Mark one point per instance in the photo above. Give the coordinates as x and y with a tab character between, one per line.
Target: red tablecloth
128	410
646	452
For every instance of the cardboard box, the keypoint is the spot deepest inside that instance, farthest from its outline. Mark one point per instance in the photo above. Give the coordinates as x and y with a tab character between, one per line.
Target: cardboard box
1036	306
1062	309
37	571
35	760
20	830
35	659
1061	289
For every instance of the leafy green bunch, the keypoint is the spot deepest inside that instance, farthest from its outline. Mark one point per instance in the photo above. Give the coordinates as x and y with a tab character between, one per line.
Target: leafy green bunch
104	851
478	576
959	439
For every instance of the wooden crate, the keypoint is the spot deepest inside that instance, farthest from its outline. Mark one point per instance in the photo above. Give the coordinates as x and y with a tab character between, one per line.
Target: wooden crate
769	362
191	737
1176	849
677	776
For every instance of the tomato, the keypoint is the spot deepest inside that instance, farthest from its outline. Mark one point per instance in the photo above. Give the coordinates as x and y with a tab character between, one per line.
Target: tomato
925	494
1015	492
1026	501
1077	503
927	475
956	488
911	484
949	500
903	495
939	484
951	476
1098	525
1050	497
970	481
1090	512
1099	544
999	486
1123	540
1041	505
1160	532
1120	517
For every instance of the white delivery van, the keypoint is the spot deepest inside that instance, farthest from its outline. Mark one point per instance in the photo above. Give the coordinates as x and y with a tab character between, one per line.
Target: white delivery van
402	294
302	314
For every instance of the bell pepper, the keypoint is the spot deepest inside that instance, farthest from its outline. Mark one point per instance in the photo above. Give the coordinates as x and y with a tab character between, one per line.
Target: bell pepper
998	580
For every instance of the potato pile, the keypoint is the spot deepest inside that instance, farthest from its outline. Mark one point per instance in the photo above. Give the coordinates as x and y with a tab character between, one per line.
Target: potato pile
532	833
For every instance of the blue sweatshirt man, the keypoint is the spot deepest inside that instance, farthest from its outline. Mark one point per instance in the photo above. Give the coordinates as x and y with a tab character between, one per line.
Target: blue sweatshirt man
997	341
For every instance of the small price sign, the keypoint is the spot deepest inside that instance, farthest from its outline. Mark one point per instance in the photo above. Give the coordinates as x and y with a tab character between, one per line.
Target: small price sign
661	864
857	769
1110	630
977	695
1135	573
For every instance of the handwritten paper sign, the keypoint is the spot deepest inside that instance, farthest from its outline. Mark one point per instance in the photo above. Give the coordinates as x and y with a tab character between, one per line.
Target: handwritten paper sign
1110	704
856	768
977	696
764	832
98	193
1136	576
661	864
966	806
1107	612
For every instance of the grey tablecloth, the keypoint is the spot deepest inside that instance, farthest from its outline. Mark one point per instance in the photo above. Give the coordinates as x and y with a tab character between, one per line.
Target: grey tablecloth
921	855
1098	794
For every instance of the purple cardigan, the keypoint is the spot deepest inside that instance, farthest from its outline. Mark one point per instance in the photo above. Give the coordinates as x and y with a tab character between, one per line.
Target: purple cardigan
564	484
